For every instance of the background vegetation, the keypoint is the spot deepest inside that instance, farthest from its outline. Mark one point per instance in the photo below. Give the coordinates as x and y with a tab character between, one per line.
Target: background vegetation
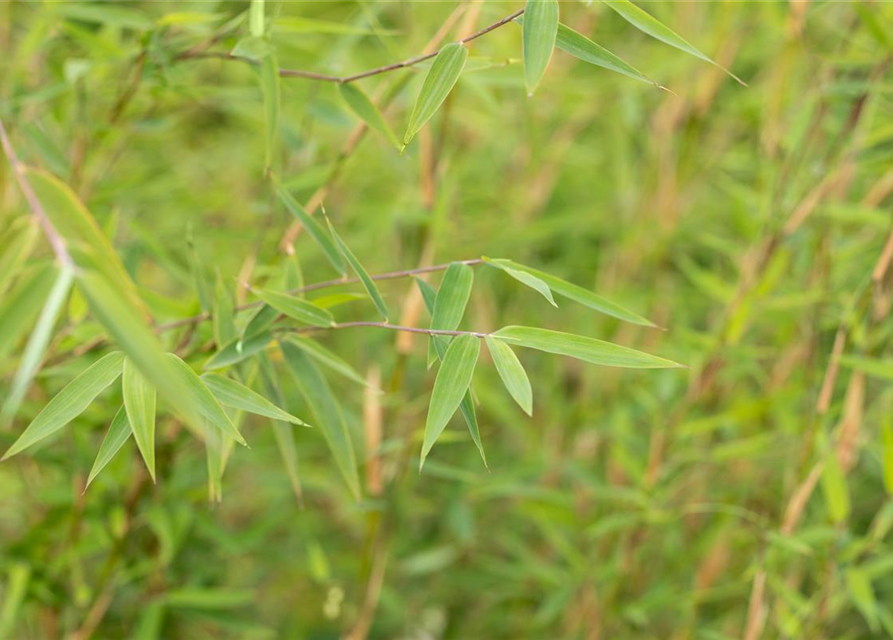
746	497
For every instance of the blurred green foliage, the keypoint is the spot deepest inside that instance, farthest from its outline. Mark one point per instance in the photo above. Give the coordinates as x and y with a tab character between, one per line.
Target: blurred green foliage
747	497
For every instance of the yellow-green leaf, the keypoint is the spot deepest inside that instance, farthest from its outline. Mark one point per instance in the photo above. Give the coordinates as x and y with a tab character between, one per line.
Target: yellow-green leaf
119	432
537	284
362	274
539	30
442	75
237	350
834	488
139	404
366	111
19	308
512	373
452	298
887	455
272	94
234	394
296	308
313	228
327	358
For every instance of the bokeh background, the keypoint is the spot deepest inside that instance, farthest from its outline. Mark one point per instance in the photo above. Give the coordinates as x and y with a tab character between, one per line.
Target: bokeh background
744	497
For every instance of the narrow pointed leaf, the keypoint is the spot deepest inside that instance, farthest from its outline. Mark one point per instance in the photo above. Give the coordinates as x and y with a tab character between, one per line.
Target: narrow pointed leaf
326	412
119	432
646	23
37	345
20	306
582	348
578	294
442	75
512	373
450	387
835	490
362	274
271	90
69	403
366	111
327	358
202	397
524	277
452	298
313	228
223	314
237	350
261	320
284	433
429	296
296	308
139	404
539	30
234	394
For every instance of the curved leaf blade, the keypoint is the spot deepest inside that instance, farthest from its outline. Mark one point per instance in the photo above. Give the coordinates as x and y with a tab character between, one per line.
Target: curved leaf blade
576	44
139	405
537	284
237	350
296	308
234	394
119	432
327	358
71	401
512	373
313	227
539	30
441	78
582	348
362	274
450	386
451	300
366	111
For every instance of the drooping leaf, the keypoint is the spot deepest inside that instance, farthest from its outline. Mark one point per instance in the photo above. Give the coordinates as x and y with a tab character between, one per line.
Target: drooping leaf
366	111
539	30
326	412
71	401
119	432
646	23
19	308
222	314
234	394
442	75
362	274
835	490
313	228
139	404
452	298
272	94
450	386
512	373
284	433
296	308
582	348
578	294
202	397
525	278
237	350
327	358
37	345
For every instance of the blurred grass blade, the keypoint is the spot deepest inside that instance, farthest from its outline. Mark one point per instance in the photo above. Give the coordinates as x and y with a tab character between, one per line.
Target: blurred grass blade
442	75
37	345
366	111
203	399
313	228
272	94
835	490
887	455
238	350
452	298
582	348
261	320
198	272
450	386
222	314
362	274
512	373
296	308
646	23
256	18
234	394
539	30
14	591
284	433
524	277
577	294
71	401
861	593
871	366
326	412
119	432
16	244
214	456
327	358
139	404
19	308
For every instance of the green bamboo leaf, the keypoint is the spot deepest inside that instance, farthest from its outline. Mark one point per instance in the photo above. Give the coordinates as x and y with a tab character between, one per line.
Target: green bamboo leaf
69	403
139	404
198	272
272	94
332	300
19	308
14	593
429	296
366	111
327	358
362	274
214	457
261	320
37	345
452	298
862	595
525	278
578	294
512	373
442	75
284	433
16	244
296	308
223	314
582	348
539	30
871	366
326	412
887	456
450	386
834	488
646	23
234	394
581	47
256	18
119	432
237	350
313	228
203	399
